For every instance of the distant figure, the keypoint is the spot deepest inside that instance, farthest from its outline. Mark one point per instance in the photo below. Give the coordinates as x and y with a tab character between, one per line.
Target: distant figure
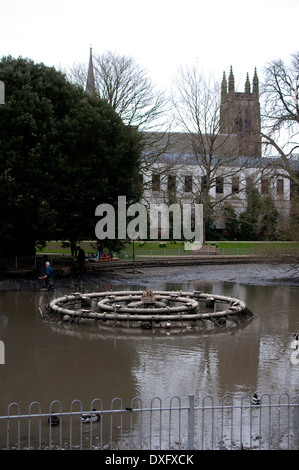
81	259
100	250
48	277
74	248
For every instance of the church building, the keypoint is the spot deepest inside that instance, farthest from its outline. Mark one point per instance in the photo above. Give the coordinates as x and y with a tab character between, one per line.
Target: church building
179	169
183	170
240	114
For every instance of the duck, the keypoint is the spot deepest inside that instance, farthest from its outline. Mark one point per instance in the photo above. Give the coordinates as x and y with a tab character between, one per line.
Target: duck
146	325
53	420
90	417
255	399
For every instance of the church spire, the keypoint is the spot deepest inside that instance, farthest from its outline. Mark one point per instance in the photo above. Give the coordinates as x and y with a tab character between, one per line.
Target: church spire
90	84
247	85
255	84
231	81
223	87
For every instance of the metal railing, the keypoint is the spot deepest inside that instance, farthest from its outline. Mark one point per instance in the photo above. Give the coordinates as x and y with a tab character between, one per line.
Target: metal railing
127	254
209	251
233	423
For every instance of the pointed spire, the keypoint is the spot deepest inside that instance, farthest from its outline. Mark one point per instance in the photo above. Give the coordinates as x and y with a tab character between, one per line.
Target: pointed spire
224	87
231	81
90	84
247	85
255	84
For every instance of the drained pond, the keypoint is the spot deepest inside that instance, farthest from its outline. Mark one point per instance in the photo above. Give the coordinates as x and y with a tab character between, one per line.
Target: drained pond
74	363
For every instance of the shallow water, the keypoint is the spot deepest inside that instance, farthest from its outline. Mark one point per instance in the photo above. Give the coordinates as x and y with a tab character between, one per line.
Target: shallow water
47	361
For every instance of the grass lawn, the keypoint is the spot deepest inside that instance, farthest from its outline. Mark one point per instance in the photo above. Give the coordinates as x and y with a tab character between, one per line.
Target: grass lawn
152	248
60	247
272	248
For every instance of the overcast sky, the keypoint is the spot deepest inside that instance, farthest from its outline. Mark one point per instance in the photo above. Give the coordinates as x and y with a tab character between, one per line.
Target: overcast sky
160	34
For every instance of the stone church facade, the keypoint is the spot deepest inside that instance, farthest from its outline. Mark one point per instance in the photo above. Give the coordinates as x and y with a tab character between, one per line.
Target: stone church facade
240	114
178	174
175	170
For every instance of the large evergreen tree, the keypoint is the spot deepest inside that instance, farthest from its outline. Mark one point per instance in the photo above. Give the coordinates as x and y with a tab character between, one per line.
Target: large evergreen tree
231	221
269	219
259	221
62	153
250	219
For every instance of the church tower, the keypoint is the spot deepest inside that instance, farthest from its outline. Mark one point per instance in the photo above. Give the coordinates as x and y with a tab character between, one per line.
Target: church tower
240	115
90	84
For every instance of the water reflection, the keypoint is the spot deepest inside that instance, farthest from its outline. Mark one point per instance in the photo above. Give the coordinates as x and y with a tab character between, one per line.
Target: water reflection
47	361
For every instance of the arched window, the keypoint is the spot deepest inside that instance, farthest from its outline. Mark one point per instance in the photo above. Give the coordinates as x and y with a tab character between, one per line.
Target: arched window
248	121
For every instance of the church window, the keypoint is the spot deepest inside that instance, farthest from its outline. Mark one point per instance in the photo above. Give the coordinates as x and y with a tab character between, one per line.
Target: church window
219	185
188	184
171	186
235	184
203	184
239	124
140	180
265	185
156	182
248	118
280	186
249	184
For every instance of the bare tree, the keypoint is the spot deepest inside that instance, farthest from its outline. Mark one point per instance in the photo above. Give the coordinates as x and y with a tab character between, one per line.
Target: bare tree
126	87
220	155
281	113
280	130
